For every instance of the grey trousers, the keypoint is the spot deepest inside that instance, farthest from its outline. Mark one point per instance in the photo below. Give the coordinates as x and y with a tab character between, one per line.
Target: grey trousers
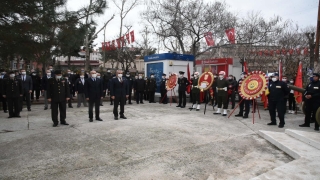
81	99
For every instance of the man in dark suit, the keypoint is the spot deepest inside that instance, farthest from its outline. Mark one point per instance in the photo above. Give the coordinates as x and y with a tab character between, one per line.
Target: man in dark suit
139	87
12	91
130	86
36	82
93	93
3	77
79	87
163	89
183	83
152	87
27	89
119	91
58	93
44	85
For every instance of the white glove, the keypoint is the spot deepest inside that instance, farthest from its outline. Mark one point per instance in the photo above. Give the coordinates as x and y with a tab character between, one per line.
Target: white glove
217	89
225	88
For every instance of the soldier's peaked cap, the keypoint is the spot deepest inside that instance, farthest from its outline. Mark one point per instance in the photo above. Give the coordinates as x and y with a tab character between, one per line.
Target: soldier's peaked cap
163	74
57	71
316	74
181	72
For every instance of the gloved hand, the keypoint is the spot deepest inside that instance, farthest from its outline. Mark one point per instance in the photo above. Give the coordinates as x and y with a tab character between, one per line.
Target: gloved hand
225	88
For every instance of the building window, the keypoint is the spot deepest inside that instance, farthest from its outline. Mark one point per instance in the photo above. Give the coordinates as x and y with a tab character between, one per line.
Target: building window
20	66
14	66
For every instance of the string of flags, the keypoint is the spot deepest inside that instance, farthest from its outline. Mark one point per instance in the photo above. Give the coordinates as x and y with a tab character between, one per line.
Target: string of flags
111	45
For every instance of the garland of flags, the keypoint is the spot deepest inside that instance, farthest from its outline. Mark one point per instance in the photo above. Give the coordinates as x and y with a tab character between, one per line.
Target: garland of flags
111	45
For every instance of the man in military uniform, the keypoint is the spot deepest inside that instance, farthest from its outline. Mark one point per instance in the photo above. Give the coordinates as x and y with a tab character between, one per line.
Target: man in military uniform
152	87
222	87
66	77
231	91
278	90
139	88
44	85
146	90
312	101
195	92
12	91
163	89
36	84
130	86
58	93
243	103
183	83
3	77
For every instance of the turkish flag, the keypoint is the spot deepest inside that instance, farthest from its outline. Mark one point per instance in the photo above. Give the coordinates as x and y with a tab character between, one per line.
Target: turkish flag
245	67
128	38
298	51
284	52
122	41
132	36
231	35
291	51
103	46
305	51
119	43
113	44
108	45
278	51
209	38
298	83
271	52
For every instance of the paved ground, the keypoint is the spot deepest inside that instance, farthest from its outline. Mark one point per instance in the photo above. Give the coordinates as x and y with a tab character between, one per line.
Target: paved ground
155	142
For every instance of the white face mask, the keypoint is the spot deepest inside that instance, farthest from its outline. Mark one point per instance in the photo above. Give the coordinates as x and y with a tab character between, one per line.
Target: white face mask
81	76
94	75
214	77
48	74
23	73
51	69
58	77
140	77
69	72
229	78
274	79
291	82
12	75
98	76
221	76
284	80
152	76
181	76
120	75
163	77
242	76
128	75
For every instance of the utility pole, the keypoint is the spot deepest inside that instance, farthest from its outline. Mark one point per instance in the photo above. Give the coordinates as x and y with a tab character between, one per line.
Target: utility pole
104	47
312	46
317	35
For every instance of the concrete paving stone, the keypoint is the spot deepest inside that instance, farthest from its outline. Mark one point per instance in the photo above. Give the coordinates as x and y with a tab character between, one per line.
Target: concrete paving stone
310	138
155	142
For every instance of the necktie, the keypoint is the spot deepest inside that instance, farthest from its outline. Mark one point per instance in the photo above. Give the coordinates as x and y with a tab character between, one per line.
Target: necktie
24	78
120	79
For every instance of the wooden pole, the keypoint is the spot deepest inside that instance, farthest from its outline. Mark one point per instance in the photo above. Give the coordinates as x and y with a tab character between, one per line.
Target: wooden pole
317	36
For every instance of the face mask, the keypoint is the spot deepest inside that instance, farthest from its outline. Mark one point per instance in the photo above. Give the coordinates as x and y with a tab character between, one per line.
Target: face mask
23	73
58	77
242	76
48	74
195	76
181	76
34	74
94	75
274	79
120	75
291	82
12	75
67	78
284	80
140	77
69	72
51	69
128	75
220	76
98	77
81	76
230	78
163	77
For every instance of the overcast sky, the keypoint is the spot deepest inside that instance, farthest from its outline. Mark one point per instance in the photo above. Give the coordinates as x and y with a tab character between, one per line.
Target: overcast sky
302	12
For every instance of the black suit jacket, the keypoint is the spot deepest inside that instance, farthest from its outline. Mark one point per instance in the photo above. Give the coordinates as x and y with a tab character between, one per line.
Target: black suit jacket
58	91
79	86
27	84
44	83
93	89
119	89
12	88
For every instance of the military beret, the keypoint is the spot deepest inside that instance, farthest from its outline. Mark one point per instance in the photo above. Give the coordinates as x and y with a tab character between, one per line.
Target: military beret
276	74
316	74
57	71
181	72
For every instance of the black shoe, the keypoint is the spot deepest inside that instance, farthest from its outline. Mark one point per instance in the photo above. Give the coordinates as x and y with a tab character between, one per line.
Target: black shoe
111	103
130	103
153	102
99	119
316	128
164	103
115	118
18	116
304	125
5	111
182	107
29	109
238	115
245	116
90	120
178	106
45	108
55	125
70	106
137	102
10	117
64	123
224	115
281	126
123	117
141	103
101	104
272	123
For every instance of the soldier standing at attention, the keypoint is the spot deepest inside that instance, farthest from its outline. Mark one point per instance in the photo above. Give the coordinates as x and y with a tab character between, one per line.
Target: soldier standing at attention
152	87
58	94
195	92
183	83
3	77
12	91
130	85
163	89
222	87
312	101
278	91
139	87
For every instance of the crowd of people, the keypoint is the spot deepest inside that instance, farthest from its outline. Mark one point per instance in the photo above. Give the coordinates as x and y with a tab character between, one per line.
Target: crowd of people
59	89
